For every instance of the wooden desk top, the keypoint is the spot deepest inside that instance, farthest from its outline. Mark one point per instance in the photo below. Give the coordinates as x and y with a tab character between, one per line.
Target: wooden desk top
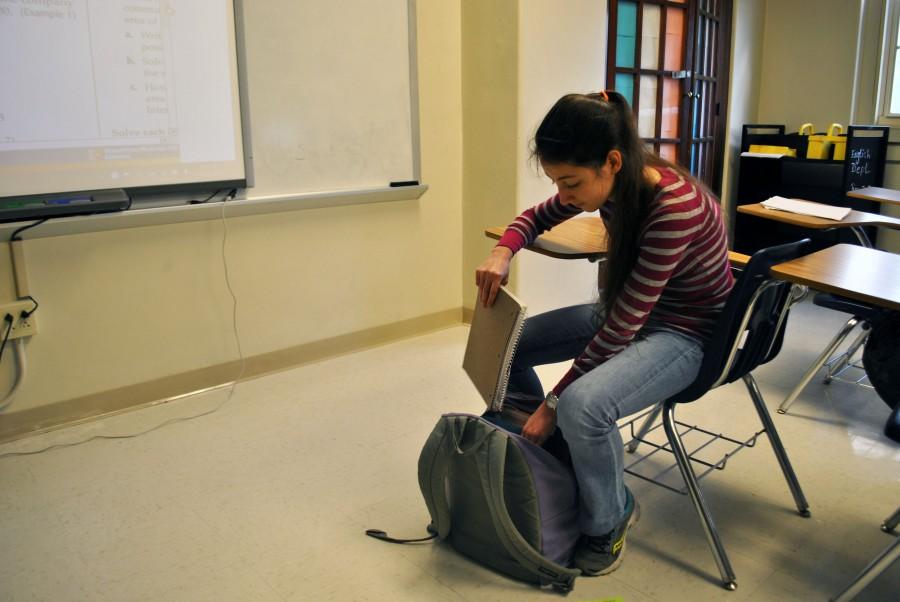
577	238
856	272
854	218
738	260
873	193
582	238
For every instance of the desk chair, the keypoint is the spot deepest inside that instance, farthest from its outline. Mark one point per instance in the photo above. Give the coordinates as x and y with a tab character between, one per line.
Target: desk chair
863	315
749	333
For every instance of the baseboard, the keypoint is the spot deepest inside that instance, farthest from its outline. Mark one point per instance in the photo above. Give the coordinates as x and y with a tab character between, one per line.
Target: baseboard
14	425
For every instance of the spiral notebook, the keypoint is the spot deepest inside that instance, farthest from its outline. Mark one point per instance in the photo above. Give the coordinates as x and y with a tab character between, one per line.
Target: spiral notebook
491	346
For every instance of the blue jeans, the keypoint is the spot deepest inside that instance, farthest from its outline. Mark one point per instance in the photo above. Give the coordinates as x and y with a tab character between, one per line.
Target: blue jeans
656	365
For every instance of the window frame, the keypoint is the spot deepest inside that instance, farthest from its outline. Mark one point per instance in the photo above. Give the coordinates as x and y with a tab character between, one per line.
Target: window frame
888	64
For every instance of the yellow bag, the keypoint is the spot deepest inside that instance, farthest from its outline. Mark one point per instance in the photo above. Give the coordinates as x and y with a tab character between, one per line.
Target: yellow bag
820	145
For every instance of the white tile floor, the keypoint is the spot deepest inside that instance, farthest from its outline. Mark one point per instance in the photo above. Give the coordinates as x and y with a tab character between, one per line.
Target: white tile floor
268	498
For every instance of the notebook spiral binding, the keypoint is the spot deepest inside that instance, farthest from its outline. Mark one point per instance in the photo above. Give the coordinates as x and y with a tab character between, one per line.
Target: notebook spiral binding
503	383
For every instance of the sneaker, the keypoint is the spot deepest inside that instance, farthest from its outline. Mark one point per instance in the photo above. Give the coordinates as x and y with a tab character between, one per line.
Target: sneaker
602	554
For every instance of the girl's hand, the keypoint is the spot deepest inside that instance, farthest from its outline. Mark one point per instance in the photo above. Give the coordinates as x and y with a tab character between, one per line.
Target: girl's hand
492	274
540	425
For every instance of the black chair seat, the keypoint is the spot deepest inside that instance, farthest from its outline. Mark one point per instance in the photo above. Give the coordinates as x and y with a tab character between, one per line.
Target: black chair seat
861	310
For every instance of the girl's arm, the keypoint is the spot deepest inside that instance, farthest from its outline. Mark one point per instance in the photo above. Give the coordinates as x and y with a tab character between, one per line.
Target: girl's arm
494	271
535	221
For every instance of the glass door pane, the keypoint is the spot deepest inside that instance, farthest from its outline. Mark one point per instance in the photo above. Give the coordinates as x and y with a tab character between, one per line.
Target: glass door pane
650	28
626	34
625	87
674	59
647	109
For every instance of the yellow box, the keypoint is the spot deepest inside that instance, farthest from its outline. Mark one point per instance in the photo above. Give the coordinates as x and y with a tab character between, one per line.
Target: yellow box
820	145
775	150
840	147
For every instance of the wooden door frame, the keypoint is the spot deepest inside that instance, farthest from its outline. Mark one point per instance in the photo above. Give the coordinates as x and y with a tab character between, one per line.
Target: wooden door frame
723	62
723	58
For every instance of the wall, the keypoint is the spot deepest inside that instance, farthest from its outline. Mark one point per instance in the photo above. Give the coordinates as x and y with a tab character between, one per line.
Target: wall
490	57
518	57
127	307
809	54
747	42
561	51
807	74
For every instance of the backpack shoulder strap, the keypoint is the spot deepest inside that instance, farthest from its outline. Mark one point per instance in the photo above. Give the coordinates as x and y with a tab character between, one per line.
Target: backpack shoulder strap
433	466
453	435
492	468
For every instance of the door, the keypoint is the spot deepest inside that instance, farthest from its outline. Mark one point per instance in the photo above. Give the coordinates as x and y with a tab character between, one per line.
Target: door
669	58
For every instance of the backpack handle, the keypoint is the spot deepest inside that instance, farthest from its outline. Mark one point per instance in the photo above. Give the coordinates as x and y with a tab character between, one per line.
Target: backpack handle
459	433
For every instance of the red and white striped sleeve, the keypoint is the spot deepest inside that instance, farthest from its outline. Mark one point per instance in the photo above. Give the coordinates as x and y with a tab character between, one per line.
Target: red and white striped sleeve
535	221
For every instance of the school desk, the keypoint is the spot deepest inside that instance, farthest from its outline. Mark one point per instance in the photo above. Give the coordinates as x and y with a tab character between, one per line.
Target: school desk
889	196
576	238
855	220
866	275
582	238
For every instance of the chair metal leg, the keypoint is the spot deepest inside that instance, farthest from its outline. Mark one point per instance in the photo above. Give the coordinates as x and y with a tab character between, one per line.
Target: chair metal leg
808	376
690	481
642	430
890	523
789	475
872	570
839	363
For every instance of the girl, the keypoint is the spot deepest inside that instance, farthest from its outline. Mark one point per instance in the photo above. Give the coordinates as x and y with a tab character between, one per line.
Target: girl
666	279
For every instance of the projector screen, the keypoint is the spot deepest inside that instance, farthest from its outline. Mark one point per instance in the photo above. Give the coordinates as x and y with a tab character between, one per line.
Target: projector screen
100	94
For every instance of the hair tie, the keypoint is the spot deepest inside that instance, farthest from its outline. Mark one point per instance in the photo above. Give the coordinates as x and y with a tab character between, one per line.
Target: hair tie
603	95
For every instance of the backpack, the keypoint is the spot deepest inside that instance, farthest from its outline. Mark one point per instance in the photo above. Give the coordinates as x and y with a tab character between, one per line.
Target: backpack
500	500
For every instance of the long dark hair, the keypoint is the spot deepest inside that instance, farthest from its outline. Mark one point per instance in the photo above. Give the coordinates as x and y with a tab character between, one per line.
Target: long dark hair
581	129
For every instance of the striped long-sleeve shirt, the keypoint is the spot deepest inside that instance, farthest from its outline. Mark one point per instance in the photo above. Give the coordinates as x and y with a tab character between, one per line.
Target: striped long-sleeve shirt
681	278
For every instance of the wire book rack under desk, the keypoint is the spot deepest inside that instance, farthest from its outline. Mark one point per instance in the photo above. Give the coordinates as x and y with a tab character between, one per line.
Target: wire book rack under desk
837	367
706	449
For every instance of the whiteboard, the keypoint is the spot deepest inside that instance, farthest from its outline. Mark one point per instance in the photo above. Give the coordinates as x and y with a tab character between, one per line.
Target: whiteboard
330	88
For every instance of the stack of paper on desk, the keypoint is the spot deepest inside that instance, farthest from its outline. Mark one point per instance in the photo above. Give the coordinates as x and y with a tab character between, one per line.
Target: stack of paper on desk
806	208
491	346
765	155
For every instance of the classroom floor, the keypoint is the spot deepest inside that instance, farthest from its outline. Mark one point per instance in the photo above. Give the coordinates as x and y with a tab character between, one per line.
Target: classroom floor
268	497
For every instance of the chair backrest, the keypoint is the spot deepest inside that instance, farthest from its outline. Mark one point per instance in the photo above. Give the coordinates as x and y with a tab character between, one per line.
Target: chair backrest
750	328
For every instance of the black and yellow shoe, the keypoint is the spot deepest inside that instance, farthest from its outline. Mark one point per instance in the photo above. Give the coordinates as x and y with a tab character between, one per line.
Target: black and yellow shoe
601	555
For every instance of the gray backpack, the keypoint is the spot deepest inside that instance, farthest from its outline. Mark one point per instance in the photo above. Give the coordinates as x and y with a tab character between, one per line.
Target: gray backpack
500	500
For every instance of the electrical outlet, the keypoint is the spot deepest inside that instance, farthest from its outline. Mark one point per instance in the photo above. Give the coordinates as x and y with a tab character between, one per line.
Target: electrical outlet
21	327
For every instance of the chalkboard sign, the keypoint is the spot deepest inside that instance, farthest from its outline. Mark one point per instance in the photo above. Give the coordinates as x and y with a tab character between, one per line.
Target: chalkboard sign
865	157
